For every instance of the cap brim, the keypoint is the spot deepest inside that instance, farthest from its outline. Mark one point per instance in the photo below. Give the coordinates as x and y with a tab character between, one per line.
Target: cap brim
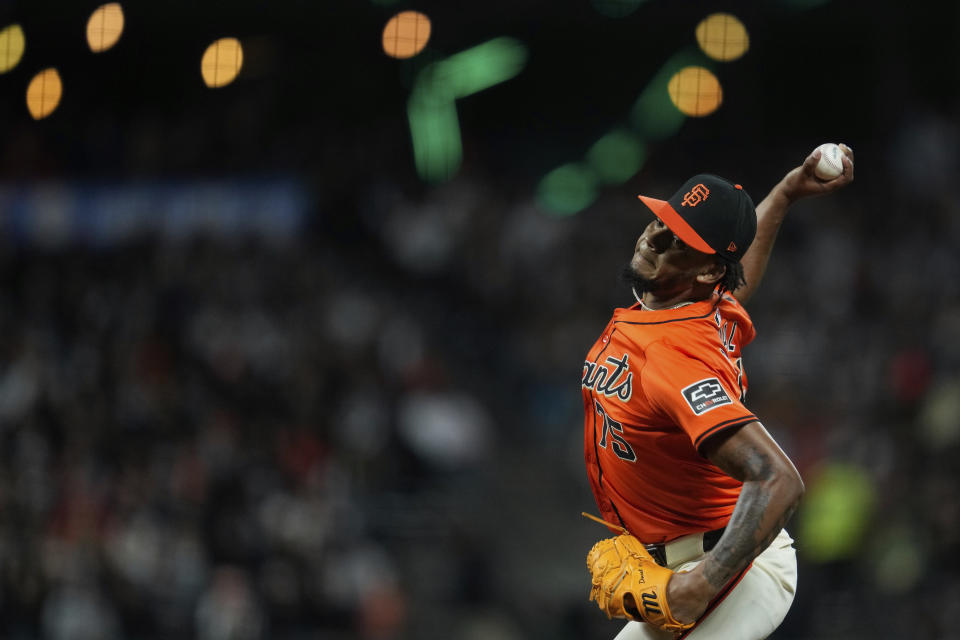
670	217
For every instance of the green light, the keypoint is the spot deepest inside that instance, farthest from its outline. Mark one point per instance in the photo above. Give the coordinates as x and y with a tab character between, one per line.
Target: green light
836	512
654	116
617	156
432	112
435	131
567	189
483	66
616	8
897	558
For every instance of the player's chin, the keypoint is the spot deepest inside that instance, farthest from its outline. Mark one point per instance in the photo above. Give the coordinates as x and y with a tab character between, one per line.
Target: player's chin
640	280
640	267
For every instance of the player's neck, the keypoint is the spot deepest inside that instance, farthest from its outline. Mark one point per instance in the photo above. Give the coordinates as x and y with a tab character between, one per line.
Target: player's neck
644	306
651	302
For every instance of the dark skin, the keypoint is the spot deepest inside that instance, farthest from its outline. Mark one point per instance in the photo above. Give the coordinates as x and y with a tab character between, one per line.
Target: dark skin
772	487
799	183
673	271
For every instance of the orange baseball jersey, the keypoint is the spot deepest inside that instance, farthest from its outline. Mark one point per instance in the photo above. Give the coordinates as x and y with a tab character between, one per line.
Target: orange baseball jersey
656	385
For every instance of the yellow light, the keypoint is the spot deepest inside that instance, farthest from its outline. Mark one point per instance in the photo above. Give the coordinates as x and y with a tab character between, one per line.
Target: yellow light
44	93
695	91
723	37
221	62
104	27
12	44
406	34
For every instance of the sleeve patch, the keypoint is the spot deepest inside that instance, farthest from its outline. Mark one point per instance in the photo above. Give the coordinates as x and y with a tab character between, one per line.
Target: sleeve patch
705	395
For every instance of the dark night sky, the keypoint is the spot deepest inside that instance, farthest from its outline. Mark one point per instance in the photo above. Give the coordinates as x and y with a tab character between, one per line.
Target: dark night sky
317	90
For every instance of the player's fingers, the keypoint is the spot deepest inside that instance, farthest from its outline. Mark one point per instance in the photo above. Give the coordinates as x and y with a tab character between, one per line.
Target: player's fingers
847	161
810	164
846	158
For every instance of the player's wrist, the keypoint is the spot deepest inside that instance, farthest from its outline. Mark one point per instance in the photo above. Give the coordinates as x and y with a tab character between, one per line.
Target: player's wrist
688	594
784	194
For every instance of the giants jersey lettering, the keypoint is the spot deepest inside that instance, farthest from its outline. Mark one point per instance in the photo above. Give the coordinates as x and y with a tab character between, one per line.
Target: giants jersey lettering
656	385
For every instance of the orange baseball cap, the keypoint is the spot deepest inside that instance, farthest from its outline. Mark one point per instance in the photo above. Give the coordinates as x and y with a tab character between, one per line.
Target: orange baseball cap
711	214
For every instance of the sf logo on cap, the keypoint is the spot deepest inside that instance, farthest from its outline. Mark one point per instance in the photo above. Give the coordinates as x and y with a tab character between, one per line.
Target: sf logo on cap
695	196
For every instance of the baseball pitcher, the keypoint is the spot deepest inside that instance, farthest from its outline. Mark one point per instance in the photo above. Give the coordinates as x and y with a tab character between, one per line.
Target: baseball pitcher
682	471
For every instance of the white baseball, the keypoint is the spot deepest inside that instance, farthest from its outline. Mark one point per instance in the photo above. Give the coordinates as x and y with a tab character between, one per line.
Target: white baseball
830	165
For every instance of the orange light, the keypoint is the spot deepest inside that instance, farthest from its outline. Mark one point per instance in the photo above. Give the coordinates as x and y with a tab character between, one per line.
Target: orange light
104	27
221	62
44	93
695	91
406	34
723	37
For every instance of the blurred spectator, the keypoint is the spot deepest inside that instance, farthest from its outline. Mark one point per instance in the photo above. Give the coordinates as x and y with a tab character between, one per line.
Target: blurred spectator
341	404
228	609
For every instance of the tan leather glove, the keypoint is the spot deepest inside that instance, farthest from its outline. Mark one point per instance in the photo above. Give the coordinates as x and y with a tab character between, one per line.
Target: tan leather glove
622	566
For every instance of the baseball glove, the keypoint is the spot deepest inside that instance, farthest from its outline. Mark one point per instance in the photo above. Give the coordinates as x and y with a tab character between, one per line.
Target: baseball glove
622	567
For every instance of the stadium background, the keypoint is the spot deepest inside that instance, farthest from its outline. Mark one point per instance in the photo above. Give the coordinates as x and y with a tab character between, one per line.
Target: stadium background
260	379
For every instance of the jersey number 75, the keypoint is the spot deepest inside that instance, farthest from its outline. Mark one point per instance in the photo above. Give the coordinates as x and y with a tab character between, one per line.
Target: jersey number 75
614	429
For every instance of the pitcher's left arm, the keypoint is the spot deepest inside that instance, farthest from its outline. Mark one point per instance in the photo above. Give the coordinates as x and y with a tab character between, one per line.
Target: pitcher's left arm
772	488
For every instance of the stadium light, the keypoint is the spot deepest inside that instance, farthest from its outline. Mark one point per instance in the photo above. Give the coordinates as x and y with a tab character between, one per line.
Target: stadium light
617	156
105	27
722	37
12	44
406	34
431	109
435	132
695	91
44	93
567	189
221	62
654	115
684	86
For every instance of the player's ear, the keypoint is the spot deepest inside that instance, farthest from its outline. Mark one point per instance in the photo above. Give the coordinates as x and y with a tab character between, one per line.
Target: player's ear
712	272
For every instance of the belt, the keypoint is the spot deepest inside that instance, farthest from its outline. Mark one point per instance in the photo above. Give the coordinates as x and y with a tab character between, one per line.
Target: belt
676	552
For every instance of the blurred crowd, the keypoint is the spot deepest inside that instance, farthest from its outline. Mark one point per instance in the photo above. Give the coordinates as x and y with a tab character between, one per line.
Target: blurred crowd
373	429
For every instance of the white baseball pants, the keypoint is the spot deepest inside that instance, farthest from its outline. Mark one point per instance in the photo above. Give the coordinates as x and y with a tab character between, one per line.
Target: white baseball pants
752	610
